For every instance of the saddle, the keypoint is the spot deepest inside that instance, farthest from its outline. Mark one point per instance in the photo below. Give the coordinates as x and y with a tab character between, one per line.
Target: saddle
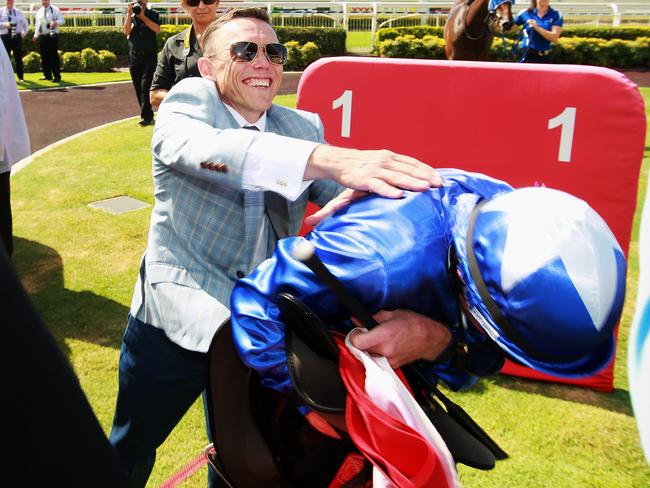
261	437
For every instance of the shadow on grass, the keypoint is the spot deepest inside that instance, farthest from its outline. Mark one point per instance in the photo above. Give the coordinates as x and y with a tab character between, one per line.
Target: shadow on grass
68	314
617	401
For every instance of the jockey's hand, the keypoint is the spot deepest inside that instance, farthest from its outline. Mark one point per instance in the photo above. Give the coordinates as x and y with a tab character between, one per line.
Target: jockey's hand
403	336
344	198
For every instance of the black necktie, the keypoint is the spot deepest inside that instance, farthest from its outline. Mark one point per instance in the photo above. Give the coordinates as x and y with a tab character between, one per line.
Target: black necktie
276	208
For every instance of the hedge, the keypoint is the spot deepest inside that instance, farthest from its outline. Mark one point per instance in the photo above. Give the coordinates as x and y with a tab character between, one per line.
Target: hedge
330	41
614	53
75	61
301	56
607	33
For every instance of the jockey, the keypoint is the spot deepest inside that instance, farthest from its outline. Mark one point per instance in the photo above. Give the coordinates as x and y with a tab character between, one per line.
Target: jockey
534	275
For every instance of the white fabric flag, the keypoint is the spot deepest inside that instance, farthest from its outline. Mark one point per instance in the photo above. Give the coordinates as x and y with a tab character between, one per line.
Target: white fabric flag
387	391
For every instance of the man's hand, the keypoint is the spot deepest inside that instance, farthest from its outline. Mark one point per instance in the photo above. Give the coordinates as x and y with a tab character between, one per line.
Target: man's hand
54	24
344	198
383	172
403	336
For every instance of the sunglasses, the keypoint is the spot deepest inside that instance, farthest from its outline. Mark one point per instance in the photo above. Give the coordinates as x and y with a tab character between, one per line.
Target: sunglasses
245	52
195	3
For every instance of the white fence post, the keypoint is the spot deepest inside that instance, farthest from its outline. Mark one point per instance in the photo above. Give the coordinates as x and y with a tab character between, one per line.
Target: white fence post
616	13
373	25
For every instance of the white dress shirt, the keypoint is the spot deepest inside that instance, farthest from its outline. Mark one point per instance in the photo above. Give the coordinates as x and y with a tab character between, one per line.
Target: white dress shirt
46	16
17	16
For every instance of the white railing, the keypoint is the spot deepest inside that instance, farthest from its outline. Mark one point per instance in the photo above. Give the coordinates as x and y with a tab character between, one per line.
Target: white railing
352	16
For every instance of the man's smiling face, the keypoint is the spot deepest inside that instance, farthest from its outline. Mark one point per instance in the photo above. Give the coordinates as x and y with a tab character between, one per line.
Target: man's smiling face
248	87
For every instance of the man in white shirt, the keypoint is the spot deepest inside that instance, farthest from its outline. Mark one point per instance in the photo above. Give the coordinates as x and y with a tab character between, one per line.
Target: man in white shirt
14	143
13	27
47	29
224	195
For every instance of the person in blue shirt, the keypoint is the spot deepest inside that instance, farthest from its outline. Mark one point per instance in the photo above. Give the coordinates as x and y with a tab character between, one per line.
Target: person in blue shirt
542	26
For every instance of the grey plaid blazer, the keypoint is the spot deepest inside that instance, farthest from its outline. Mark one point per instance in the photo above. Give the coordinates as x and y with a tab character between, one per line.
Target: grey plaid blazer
203	224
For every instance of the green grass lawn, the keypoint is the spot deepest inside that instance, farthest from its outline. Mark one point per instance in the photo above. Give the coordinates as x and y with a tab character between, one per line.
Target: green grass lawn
358	41
79	265
32	81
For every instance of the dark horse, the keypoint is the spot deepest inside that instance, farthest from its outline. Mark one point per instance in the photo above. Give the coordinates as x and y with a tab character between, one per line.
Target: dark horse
471	27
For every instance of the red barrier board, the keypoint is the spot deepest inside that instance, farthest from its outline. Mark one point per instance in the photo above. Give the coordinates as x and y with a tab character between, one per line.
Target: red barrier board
580	129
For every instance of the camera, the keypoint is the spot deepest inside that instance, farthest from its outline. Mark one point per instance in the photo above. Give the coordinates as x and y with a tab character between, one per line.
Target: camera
47	26
12	28
137	8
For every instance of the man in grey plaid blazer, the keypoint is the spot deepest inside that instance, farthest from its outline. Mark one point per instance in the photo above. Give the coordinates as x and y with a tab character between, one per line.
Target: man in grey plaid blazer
223	196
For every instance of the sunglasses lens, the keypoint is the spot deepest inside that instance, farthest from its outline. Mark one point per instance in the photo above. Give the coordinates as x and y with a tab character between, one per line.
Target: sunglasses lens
195	3
243	51
276	53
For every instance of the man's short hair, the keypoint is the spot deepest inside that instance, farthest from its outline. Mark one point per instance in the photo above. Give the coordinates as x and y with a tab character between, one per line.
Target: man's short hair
238	13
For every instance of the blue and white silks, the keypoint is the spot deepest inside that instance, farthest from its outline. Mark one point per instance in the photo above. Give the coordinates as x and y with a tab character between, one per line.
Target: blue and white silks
548	261
389	253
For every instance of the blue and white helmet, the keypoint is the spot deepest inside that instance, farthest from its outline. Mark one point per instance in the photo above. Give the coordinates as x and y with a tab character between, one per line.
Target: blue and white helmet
545	278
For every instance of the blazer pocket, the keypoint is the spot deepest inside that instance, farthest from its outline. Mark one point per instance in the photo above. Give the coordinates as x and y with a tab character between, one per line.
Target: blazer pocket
166	273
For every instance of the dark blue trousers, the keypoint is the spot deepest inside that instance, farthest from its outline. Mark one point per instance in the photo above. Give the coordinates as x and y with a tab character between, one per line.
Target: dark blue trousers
158	382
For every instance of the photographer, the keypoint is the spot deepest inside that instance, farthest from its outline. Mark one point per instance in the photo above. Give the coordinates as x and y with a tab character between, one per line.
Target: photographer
13	27
47	29
140	28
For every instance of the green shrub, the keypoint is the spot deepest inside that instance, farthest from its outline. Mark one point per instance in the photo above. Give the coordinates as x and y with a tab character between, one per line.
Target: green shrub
96	38
90	60
616	52
107	60
417	31
299	57
310	53
605	32
32	62
330	40
72	61
408	46
613	53
294	56
641	52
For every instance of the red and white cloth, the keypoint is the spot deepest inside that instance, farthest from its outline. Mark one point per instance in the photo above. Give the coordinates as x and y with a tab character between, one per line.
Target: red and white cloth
389	427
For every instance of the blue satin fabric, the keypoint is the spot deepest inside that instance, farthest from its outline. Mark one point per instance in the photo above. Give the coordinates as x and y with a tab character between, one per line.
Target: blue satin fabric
389	253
